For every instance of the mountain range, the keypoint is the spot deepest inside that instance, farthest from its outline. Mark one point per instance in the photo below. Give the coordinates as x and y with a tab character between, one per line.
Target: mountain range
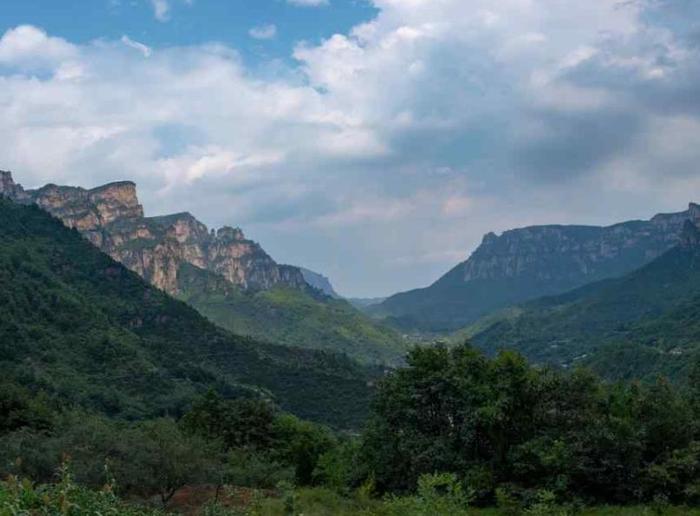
226	276
620	298
527	263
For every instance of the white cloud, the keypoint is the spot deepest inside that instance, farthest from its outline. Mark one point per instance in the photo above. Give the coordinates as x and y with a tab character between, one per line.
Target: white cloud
411	135
27	47
263	32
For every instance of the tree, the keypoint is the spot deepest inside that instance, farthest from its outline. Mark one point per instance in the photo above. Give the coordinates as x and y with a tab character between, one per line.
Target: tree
163	459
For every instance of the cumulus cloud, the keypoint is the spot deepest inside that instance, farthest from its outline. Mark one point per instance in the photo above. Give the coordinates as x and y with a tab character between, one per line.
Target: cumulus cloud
409	136
27	47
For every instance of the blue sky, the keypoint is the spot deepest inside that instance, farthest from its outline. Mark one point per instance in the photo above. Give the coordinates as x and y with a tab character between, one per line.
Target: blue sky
373	141
191	22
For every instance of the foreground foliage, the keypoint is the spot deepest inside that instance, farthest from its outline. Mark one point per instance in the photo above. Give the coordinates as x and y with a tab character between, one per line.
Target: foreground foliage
508	430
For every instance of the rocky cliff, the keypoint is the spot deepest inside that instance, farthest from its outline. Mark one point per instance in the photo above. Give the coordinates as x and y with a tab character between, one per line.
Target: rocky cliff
575	254
530	262
111	217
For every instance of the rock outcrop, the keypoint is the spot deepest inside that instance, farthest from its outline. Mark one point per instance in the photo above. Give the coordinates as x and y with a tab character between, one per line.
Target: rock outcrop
112	218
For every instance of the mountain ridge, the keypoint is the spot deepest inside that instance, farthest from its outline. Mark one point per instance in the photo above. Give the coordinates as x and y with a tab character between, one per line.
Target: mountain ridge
531	262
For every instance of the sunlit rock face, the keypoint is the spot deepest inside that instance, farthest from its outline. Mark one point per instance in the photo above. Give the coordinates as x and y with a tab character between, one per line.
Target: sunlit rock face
111	217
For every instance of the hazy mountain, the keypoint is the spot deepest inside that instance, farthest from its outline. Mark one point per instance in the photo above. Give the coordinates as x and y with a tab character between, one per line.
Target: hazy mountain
528	263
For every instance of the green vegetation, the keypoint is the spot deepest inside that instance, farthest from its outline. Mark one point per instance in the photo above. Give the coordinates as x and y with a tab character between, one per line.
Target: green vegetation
112	392
81	327
636	326
512	433
291	317
453	433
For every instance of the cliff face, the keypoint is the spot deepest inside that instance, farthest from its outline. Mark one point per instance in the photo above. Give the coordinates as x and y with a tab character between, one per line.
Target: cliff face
111	217
526	263
575	254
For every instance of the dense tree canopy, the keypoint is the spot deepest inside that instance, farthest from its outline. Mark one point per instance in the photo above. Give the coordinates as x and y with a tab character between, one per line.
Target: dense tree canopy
502	424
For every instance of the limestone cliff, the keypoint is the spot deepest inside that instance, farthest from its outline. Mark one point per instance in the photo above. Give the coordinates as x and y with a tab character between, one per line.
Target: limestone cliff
111	217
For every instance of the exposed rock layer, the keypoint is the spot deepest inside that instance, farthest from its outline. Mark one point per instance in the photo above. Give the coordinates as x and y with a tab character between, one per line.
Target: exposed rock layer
111	217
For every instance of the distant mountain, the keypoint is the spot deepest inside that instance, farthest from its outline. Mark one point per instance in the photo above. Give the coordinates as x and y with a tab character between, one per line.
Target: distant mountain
642	324
319	282
363	303
244	289
528	263
80	326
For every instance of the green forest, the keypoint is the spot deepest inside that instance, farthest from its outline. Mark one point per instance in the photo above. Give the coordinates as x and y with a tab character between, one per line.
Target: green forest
452	433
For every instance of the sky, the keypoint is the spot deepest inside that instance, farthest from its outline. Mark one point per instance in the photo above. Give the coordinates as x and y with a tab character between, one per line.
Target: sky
374	141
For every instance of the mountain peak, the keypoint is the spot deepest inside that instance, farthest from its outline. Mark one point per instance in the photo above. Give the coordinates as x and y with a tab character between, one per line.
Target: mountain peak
489	238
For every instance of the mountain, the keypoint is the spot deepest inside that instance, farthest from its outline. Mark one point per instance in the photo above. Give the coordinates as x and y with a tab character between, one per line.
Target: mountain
644	323
80	326
239	285
111	217
531	262
319	282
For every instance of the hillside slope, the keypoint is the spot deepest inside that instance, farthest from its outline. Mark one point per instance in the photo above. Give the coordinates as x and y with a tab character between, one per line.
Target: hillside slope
81	326
246	298
524	264
646	322
291	317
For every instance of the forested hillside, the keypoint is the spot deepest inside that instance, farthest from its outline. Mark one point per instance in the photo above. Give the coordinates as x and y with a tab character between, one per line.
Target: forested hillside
82	327
291	317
